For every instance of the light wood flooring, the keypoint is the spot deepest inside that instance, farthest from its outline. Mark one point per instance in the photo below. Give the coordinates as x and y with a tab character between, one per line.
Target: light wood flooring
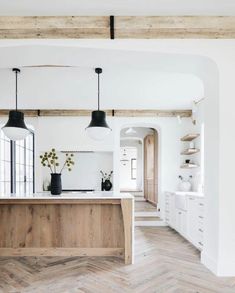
144	206
164	263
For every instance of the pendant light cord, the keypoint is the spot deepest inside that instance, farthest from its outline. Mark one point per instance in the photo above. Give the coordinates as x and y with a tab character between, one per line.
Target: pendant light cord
16	70
98	91
16	90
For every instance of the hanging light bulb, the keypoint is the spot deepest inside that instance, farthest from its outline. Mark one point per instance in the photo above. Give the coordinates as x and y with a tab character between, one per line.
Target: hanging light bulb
15	128
130	131
98	127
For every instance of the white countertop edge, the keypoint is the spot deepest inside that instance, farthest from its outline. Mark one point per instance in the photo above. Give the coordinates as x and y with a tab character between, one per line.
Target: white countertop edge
64	196
188	193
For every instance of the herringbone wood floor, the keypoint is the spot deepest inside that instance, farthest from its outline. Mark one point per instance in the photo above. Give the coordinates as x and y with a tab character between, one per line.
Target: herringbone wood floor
164	263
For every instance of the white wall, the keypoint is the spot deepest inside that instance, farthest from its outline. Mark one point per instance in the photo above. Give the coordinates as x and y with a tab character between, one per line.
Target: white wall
68	133
69	88
85	172
126	181
138	144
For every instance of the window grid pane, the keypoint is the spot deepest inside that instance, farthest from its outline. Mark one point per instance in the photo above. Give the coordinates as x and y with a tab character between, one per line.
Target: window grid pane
16	166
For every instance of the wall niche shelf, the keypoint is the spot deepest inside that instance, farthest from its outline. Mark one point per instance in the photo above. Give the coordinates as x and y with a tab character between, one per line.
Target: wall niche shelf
189	166
190	137
190	151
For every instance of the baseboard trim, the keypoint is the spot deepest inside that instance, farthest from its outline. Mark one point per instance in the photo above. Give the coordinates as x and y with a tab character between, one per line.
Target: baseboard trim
208	262
220	269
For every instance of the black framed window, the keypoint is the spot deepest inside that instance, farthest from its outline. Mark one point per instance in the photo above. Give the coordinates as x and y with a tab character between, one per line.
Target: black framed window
17	165
5	164
133	168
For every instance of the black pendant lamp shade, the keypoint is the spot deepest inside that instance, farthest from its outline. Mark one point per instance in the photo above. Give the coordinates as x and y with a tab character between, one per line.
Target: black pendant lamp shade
98	127
15	128
98	119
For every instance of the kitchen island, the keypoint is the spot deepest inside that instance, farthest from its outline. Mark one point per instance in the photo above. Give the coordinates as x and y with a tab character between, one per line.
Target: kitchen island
72	224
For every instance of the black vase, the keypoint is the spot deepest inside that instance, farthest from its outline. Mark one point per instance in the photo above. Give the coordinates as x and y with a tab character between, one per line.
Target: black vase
107	185
56	185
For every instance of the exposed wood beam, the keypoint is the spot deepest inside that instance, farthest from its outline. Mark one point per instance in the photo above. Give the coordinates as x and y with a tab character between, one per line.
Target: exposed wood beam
168	27
126	27
152	113
116	113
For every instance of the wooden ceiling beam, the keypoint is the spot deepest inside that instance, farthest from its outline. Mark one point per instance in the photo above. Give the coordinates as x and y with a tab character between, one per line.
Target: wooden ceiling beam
115	113
125	27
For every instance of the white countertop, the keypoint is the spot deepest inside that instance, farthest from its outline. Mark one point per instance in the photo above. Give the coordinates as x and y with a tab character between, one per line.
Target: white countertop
189	193
70	195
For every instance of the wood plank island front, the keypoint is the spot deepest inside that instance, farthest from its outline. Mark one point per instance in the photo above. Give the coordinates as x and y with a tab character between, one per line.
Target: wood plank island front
67	225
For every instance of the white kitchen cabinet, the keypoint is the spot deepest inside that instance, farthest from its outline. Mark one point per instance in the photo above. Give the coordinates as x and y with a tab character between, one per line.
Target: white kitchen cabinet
192	219
170	209
181	222
187	220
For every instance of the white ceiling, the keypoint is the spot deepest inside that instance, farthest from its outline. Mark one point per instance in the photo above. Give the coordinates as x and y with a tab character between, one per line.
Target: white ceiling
117	7
129	80
68	88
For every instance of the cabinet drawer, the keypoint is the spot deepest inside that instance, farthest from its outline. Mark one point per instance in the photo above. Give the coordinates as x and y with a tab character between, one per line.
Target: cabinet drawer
200	239
200	230
200	226
200	210
200	245
200	235
200	205
200	218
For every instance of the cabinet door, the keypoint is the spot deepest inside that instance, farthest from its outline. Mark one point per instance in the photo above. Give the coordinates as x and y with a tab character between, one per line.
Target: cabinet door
172	211
183	227
181	222
192	219
178	220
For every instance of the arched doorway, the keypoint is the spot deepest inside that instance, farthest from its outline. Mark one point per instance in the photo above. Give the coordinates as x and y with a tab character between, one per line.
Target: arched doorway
139	170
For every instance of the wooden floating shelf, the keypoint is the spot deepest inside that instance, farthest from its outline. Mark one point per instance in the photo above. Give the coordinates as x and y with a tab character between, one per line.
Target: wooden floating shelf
189	166
190	137
190	151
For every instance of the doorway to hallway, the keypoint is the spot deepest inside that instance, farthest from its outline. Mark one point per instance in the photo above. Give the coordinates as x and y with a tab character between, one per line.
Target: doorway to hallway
139	172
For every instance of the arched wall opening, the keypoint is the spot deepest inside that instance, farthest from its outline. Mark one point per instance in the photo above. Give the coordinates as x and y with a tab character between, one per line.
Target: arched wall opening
198	65
139	145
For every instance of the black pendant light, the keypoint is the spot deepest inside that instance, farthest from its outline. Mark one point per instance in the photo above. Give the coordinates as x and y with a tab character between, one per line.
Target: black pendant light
15	128
98	127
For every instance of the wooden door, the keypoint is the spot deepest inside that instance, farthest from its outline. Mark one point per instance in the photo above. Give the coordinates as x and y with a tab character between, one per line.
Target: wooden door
150	168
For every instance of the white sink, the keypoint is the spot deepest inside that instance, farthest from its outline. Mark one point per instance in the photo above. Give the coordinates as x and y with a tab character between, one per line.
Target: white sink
180	201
